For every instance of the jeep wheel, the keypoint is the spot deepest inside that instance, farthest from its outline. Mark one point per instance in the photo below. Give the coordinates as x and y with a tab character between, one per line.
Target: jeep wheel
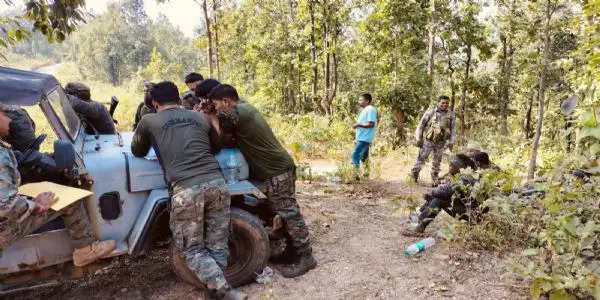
248	252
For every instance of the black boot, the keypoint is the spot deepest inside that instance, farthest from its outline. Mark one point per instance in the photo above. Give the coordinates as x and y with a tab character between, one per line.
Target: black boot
415	176
304	264
415	230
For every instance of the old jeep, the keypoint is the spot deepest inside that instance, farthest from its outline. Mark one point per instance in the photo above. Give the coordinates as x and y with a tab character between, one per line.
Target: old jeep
129	201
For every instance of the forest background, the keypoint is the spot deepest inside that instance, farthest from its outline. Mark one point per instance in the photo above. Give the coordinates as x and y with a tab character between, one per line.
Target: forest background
507	66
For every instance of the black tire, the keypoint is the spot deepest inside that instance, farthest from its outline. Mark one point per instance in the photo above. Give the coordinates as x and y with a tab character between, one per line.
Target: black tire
248	252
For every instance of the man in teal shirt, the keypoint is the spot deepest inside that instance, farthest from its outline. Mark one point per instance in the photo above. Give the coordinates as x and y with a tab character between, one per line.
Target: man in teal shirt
365	130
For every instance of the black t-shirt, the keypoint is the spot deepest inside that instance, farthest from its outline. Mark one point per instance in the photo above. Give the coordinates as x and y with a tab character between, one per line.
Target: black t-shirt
182	141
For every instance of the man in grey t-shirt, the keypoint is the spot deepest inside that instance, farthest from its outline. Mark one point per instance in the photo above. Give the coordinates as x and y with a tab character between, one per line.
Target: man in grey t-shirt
200	202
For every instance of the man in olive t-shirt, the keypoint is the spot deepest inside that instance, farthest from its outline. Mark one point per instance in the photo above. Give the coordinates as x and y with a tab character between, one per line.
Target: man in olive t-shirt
268	162
200	202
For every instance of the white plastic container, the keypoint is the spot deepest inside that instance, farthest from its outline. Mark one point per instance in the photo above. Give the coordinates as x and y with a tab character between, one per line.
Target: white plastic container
419	246
233	165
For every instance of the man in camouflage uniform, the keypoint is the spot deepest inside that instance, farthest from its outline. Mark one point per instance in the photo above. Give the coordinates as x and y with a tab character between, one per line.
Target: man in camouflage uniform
20	216
435	132
189	99
145	107
270	163
200	201
92	112
452	196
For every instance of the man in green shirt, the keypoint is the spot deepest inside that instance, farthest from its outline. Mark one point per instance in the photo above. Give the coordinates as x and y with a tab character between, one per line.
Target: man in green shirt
268	162
200	202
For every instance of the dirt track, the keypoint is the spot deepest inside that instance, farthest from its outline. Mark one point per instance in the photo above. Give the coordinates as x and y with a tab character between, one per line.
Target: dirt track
359	250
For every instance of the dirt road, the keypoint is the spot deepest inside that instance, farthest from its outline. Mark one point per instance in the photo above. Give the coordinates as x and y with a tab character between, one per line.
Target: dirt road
51	69
359	249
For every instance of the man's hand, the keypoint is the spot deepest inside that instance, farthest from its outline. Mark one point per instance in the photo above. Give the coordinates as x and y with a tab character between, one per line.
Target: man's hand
419	144
354	126
206	106
43	202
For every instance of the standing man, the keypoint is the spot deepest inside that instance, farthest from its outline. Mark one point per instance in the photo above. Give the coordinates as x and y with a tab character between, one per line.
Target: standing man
270	163
200	202
145	107
188	99
365	130
435	132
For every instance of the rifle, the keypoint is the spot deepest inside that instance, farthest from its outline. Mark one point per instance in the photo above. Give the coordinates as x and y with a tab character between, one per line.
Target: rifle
113	106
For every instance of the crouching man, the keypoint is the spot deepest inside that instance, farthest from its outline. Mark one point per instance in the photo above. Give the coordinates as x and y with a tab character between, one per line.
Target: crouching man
453	196
199	219
20	216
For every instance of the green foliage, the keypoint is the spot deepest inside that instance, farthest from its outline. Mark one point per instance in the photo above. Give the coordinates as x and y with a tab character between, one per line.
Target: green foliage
556	232
110	49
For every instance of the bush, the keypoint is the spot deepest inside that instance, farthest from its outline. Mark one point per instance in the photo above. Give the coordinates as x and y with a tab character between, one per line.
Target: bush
555	232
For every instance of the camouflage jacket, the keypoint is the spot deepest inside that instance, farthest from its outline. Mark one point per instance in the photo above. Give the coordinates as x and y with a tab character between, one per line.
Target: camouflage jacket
436	126
14	208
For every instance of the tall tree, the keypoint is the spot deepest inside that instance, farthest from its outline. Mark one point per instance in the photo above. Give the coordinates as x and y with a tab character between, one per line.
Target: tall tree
209	48
215	8
313	52
549	8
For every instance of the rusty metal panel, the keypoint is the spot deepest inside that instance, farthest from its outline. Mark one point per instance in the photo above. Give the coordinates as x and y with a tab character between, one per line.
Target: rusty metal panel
37	251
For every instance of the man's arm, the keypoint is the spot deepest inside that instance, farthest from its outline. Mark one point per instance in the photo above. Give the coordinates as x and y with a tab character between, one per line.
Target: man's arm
214	133
421	127
9	197
371	119
140	144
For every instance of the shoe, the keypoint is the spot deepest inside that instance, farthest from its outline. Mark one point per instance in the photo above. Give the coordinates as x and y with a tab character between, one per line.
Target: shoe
414	176
90	253
414	230
303	265
234	294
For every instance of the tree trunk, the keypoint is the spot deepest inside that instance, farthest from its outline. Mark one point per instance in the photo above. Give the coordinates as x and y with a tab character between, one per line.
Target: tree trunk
208	38
527	120
463	98
325	105
508	51
313	53
451	70
542	90
400	122
431	49
216	29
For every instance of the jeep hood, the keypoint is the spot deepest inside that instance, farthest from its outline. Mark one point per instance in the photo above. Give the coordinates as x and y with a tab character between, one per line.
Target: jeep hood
111	154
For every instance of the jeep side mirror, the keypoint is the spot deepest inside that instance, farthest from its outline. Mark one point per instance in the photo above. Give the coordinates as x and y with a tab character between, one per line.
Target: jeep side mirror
64	154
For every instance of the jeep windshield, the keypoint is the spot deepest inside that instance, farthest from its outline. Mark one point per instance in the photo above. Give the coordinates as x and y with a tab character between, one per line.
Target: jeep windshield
68	117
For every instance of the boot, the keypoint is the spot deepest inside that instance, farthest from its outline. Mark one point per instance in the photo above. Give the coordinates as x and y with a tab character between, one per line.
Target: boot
414	230
234	294
304	264
224	293
415	176
90	253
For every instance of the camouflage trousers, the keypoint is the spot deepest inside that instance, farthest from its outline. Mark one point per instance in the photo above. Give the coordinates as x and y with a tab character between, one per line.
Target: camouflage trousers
428	147
200	227
74	216
281	196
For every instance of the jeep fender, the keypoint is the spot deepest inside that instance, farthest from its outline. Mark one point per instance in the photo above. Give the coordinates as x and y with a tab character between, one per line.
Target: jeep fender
156	203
